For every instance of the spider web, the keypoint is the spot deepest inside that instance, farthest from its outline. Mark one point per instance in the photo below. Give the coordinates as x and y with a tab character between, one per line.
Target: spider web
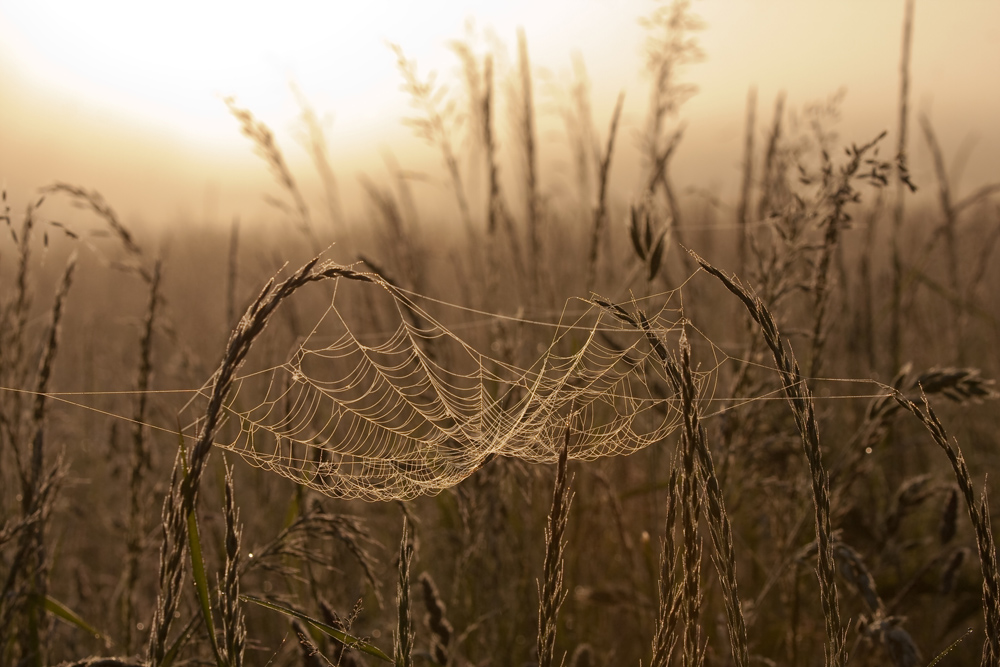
421	410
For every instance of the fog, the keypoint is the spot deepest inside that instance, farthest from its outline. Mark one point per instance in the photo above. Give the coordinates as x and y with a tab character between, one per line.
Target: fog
83	102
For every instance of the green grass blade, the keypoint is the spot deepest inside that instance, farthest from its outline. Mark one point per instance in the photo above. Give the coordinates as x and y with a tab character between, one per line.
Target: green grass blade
201	584
58	609
342	637
198	571
951	647
171	655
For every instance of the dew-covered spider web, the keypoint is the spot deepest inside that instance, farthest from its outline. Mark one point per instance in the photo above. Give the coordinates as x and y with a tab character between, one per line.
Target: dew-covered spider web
420	408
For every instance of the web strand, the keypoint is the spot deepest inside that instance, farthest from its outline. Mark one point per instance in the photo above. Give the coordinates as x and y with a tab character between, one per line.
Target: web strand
421	409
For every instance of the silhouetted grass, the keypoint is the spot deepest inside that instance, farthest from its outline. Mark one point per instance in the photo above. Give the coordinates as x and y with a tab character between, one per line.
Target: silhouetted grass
844	549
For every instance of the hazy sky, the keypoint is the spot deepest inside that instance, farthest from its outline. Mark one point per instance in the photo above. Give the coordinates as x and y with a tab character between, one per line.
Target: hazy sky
126	97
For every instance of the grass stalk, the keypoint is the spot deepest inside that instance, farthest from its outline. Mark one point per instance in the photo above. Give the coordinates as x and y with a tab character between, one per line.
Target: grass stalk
403	647
804	411
140	462
232	272
178	509
436	621
896	307
27	580
267	148
695	438
694	443
550	591
433	127
838	193
670	594
496	213
747	180
979	514
234	631
601	207
769	174
171	571
948	231
527	126
314	141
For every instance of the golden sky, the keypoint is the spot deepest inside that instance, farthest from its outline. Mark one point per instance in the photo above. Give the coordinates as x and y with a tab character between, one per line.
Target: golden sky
126	97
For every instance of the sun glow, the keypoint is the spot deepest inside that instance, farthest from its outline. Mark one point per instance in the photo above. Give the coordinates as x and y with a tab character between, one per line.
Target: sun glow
174	65
119	94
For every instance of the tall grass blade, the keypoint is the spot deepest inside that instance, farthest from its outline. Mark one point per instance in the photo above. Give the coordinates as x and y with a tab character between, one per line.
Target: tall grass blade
59	610
347	640
198	573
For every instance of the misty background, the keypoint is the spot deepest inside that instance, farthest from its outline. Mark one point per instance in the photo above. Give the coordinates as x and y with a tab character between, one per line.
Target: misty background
128	100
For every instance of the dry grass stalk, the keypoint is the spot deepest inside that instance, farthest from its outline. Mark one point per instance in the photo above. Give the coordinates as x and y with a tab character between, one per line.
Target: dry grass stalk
583	656
403	647
947	230
949	573
980	516
436	621
683	599
19	582
895	640
693	651
399	239
670	593
695	438
578	119
311	655
627	545
804	412
550	591
314	523
171	572
601	207
433	125
14	319
669	48
140	463
234	632
314	141
678	599
175	521
747	180
93	200
896	307
911	493
232	273
648	243
961	385
267	148
949	517
771	175
340	654
527	127
402	178
838	192
865	279
496	214
856	573
45	367
26	584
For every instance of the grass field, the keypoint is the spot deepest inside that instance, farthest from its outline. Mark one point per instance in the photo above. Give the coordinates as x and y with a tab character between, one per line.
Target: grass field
585	427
